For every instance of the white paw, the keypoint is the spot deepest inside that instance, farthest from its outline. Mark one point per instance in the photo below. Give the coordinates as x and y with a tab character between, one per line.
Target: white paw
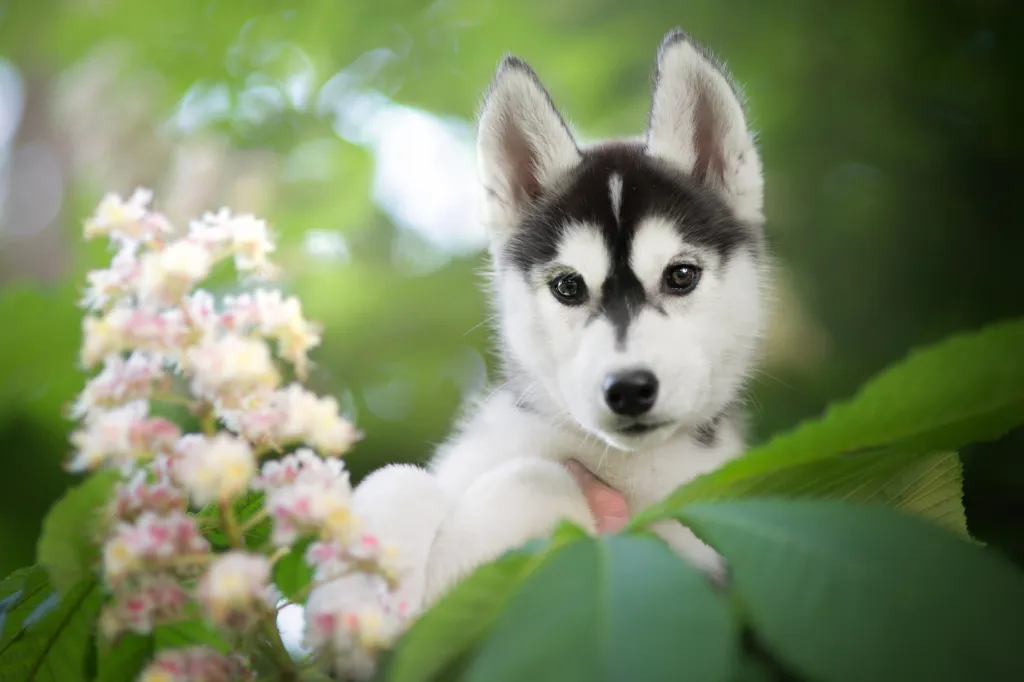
404	506
518	501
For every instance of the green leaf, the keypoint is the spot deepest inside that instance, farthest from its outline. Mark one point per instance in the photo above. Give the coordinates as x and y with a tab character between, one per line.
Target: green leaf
618	608
47	636
125	658
291	572
848	593
189	633
929	486
245	508
967	389
451	626
20	594
68	546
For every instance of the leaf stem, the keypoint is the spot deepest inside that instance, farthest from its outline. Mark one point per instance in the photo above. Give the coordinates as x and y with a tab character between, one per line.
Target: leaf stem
230	524
282	659
254	520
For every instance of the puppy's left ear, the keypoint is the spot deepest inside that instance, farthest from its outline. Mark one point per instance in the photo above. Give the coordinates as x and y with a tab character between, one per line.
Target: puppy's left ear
698	124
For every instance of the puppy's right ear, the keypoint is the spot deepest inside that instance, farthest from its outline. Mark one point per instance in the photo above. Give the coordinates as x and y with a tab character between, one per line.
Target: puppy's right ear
523	144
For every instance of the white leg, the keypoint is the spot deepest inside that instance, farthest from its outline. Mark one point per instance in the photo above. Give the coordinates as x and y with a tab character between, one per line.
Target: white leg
404	506
518	501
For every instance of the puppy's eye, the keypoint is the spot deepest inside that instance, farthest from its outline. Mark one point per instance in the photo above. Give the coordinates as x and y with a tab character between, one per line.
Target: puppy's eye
569	289
681	279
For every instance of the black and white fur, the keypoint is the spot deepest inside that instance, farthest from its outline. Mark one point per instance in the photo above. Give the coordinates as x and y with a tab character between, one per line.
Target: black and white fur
617	219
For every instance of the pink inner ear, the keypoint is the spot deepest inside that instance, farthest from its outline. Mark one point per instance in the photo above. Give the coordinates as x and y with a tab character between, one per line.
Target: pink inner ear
710	163
522	165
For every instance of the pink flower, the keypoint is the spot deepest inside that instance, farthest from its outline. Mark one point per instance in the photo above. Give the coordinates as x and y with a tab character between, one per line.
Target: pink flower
316	498
121	436
138	495
349	621
151	541
332	559
231	367
268	313
294	415
196	664
245	237
126	220
122	381
154	599
236	589
168	274
215	469
123	328
116	283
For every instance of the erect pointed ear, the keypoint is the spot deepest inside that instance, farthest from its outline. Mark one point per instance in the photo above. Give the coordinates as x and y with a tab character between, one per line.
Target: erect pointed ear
523	144
698	124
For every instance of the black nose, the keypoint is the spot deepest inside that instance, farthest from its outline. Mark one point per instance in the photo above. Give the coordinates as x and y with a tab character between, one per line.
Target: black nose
631	393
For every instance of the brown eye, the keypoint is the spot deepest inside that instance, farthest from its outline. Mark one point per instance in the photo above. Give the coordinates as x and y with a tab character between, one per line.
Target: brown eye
569	289
681	279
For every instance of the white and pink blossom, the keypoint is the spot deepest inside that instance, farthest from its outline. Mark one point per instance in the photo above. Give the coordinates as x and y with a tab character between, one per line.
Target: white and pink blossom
121	436
154	599
294	415
124	328
307	494
166	275
106	287
229	368
349	621
214	469
152	542
332	559
125	221
138	494
269	313
244	237
151	327
197	664
236	589
121	381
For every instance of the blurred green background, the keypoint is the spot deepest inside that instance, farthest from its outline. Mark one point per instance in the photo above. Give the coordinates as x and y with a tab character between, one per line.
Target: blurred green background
891	133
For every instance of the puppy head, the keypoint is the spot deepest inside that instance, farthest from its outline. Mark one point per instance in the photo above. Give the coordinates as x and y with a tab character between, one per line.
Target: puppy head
628	275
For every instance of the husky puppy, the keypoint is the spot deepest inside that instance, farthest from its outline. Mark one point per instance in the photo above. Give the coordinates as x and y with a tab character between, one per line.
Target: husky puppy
629	280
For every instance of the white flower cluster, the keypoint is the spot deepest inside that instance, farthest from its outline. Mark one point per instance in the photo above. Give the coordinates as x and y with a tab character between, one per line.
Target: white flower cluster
162	342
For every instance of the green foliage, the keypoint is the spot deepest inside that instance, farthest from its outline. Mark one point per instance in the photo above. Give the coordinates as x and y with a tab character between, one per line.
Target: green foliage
46	635
124	659
849	593
622	608
292	574
68	547
189	633
445	632
964	390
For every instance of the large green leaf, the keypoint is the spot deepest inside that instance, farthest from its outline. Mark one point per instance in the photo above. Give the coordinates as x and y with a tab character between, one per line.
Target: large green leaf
46	635
68	544
967	389
453	624
846	593
618	608
20	594
124	659
440	638
929	486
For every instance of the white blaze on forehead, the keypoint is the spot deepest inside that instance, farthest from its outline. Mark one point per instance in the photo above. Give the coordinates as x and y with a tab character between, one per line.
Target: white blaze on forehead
615	189
655	243
583	249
